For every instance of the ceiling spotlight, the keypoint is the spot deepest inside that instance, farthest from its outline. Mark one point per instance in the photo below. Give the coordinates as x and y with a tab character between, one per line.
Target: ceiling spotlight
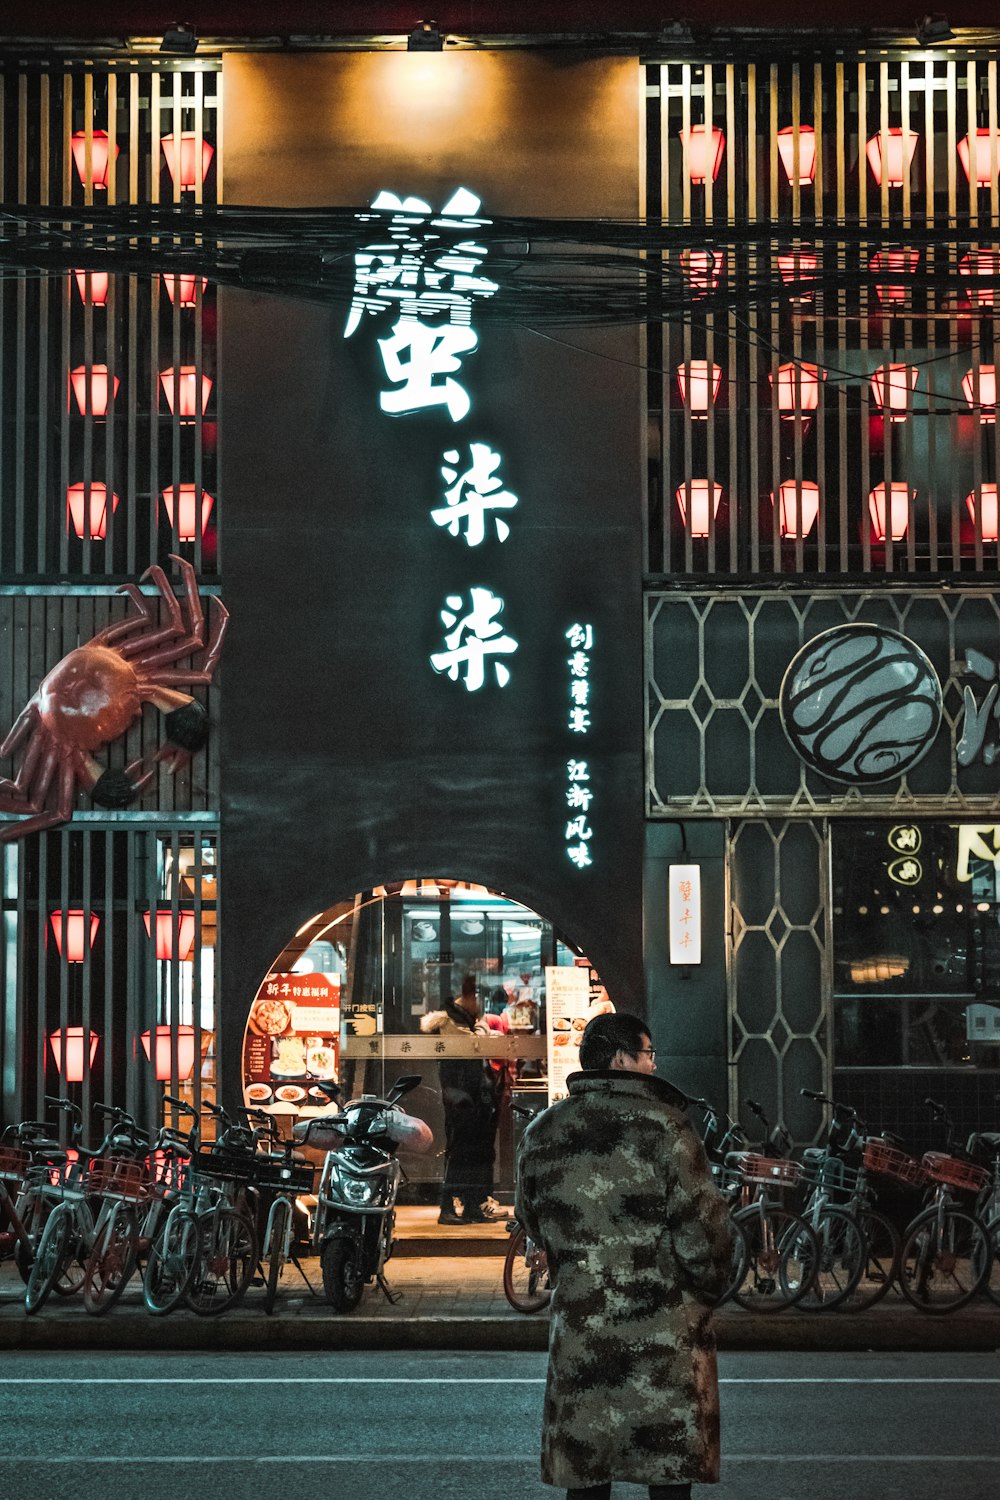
933	29
180	37
425	38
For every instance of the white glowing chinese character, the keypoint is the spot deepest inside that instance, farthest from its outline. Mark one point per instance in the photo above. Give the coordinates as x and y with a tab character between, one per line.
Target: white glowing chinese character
473	637
580	637
579	720
577	770
579	796
579	664
579	828
579	692
580	855
432	352
472	494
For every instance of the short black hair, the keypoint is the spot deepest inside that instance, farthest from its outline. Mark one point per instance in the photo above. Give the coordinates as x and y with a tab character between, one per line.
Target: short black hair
606	1035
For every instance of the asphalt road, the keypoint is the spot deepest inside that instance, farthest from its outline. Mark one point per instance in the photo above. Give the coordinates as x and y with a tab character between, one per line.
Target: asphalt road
465	1427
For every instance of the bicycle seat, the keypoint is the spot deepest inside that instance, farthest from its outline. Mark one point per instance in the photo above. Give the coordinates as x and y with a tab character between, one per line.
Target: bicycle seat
50	1150
814	1154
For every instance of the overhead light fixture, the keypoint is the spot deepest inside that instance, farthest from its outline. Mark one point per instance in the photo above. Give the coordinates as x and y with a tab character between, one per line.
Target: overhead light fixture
181	38
930	29
425	37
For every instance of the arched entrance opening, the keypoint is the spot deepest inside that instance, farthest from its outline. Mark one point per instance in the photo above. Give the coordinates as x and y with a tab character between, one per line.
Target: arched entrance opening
360	996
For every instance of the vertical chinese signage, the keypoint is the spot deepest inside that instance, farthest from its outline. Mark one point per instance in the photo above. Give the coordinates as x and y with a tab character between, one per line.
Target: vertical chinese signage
684	913
579	791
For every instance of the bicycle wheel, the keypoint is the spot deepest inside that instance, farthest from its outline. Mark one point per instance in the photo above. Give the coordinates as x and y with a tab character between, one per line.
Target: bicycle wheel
53	1248
227	1260
841	1261
945	1260
881	1267
782	1257
525	1275
173	1263
991	1286
112	1261
274	1250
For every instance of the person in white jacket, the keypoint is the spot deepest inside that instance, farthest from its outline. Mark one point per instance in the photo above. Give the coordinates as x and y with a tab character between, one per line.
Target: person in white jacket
468	1092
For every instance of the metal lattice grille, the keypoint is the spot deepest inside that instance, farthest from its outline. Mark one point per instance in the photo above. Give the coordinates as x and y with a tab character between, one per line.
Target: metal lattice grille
778	966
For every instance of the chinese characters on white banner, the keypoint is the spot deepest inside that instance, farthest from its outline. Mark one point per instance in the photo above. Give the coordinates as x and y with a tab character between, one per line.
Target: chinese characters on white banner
579	792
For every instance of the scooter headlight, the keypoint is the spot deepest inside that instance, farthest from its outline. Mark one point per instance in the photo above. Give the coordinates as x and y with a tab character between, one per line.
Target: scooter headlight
355	1190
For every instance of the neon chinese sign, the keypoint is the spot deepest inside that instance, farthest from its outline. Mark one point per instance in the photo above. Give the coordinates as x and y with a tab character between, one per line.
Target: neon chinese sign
579	792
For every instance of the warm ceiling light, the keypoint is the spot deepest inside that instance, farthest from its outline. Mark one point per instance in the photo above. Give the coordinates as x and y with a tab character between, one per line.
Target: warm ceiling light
889	508
892	386
82	507
980	263
182	289
798	389
70	930
182	501
699	382
702	269
798	506
180	387
190	162
89	384
798	266
425	37
180	38
989	511
983	145
703	147
807	153
93	287
987	402
699	498
898	155
99	152
899	263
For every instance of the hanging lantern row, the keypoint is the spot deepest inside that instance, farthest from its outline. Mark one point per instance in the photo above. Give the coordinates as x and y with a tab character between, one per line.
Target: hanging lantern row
74	941
188	158
797	387
187	508
92	387
75	1047
181	289
892	388
797	503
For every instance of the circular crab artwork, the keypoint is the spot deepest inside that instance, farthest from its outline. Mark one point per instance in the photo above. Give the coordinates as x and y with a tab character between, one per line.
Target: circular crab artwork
860	704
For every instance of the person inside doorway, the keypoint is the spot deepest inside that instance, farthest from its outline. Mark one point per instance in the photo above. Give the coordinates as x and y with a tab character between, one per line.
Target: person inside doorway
469	1095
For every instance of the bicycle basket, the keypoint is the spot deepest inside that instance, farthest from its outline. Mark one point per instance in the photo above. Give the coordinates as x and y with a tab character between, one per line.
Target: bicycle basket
13	1163
886	1161
830	1173
954	1172
113	1177
274	1176
234	1166
769	1171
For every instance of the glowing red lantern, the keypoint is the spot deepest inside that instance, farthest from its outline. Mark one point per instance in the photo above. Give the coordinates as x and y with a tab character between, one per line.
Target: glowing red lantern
892	386
989	511
898	154
798	266
702	269
699	382
90	387
93	287
898	262
980	263
987	402
69	928
798	506
162	1060
182	289
181	390
703	496
807	153
69	1048
889	507
182	501
100	151
798	389
983	146
82	506
703	146
191	160
166	930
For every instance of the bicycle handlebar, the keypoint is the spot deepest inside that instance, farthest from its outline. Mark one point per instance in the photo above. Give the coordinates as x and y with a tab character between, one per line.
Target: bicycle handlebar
181	1104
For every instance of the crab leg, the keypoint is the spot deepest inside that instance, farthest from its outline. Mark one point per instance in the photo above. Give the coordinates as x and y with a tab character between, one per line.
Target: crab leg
19	729
21	783
220	620
195	626
175	623
61	813
131	622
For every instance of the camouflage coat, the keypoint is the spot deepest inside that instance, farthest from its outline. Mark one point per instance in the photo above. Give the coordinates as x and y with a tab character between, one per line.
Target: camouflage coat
613	1181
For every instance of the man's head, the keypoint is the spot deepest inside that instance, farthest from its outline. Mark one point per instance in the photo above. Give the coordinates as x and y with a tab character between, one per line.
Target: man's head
619	1042
468	998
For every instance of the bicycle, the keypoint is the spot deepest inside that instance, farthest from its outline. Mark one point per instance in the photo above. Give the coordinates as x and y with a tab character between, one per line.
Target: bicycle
225	1203
781	1252
526	1282
281	1174
27	1160
175	1250
947	1252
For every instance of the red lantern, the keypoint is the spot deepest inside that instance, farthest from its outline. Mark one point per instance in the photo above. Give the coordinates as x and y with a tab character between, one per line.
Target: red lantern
162	1062
980	263
699	382
704	498
181	390
984	147
800	266
798	389
90	387
989	511
69	1050
987	402
182	289
702	269
892	386
182	500
93	287
193	162
890	503
80	506
704	145
166	928
99	153
899	262
807	153
69	929
798	503
898	155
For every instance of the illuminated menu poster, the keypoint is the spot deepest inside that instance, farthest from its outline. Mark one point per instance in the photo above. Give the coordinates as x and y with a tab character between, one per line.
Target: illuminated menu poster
567	1002
292	1040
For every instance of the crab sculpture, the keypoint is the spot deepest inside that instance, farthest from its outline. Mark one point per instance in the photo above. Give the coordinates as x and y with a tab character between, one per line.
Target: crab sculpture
98	690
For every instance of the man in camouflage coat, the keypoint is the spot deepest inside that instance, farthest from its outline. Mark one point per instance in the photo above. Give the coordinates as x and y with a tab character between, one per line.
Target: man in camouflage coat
614	1183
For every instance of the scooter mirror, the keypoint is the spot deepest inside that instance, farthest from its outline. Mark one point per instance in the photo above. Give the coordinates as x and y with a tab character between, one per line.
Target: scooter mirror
405	1085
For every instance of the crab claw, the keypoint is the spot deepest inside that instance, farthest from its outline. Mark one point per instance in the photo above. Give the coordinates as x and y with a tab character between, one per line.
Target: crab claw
187	727
114	789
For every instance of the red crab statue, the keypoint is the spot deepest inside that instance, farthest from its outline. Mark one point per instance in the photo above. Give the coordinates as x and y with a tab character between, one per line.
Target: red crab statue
92	696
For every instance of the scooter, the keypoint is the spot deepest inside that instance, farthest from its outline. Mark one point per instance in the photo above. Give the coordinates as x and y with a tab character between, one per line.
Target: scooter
356	1205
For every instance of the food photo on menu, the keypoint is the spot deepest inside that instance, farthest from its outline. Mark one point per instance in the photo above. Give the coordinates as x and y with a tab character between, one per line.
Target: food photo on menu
292	1043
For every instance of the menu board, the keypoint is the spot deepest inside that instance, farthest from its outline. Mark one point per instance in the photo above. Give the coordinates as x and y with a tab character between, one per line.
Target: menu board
292	1040
567	1001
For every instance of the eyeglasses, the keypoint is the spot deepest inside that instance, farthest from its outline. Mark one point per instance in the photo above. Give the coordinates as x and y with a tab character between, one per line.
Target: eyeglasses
650	1052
